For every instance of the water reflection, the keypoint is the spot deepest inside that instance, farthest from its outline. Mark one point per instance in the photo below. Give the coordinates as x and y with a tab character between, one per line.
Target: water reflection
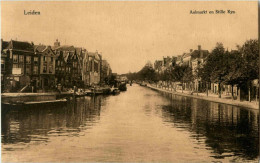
227	130
139	125
38	123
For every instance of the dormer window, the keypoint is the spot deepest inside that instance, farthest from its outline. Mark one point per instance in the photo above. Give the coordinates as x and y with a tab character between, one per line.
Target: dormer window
44	69
28	59
21	58
15	58
35	59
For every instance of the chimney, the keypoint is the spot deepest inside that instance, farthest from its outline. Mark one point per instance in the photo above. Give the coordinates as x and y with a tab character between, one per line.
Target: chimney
191	50
57	43
199	47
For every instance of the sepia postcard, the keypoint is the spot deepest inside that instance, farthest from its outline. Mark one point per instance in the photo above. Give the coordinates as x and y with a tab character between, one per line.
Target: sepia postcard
129	81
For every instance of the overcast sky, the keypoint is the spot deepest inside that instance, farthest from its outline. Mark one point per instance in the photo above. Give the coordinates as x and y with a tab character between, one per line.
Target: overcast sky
130	33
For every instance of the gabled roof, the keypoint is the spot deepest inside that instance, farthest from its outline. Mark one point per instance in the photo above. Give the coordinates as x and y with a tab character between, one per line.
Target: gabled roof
186	55
95	55
66	56
64	48
20	45
78	50
196	53
43	48
4	44
39	48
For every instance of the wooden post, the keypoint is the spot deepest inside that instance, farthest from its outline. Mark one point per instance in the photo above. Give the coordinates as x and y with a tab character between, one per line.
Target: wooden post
219	90
182	87
256	94
207	89
238	92
249	92
232	91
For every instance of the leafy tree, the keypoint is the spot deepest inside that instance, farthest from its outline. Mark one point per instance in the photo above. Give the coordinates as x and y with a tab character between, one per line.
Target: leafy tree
250	68
216	67
182	74
250	54
147	73
235	72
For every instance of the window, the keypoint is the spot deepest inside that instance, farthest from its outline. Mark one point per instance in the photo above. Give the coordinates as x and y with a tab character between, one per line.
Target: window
28	69
22	68
51	59
28	59
44	59
35	59
2	65
15	65
75	64
21	58
44	69
50	69
58	63
95	66
35	69
15	59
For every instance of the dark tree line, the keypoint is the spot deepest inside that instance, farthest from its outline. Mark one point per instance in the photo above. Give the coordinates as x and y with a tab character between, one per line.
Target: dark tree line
236	67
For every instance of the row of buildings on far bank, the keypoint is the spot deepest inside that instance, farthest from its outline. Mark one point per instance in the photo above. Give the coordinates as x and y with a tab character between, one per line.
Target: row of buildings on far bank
44	67
194	59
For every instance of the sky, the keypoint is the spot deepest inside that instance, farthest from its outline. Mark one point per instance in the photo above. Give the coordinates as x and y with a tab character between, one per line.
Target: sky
128	34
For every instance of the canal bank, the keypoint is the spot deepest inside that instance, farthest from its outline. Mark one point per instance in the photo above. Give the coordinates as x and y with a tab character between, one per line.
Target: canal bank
250	105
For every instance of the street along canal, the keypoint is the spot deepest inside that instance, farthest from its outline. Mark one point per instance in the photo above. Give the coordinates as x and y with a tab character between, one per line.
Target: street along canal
139	125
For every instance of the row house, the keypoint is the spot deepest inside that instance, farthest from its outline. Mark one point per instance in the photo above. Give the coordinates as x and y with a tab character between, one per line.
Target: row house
85	67
199	55
64	65
77	67
195	60
4	44
94	68
106	70
18	64
69	65
161	65
43	70
24	64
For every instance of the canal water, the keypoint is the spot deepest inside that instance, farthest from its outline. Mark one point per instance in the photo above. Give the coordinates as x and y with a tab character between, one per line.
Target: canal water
139	125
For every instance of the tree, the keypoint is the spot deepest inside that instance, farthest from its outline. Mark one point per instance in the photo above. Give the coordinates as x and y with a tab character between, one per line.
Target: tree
250	55
182	74
147	73
216	67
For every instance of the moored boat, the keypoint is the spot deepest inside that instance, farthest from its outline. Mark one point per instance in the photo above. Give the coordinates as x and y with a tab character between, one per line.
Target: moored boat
32	103
115	91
